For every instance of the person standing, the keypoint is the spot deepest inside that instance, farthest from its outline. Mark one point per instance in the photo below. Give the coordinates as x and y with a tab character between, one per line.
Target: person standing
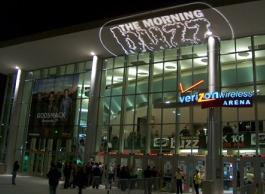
14	172
197	181
179	178
53	175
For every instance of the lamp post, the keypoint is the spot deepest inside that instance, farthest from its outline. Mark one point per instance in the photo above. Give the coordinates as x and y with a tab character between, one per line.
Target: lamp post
214	162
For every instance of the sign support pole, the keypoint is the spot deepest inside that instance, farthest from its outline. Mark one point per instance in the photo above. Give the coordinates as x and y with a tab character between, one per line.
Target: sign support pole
214	162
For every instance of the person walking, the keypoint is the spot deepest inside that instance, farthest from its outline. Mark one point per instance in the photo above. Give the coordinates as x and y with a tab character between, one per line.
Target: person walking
14	172
67	174
96	176
147	180
53	175
179	178
81	179
197	181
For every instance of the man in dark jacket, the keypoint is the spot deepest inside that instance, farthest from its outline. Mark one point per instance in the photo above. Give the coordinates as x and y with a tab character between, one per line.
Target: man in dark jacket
54	176
147	180
67	174
14	172
81	179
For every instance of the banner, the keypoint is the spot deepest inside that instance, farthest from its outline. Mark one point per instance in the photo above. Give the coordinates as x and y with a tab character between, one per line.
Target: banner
243	140
53	107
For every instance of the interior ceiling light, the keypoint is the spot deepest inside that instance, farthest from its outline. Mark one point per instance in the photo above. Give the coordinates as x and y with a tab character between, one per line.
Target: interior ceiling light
245	54
204	60
170	67
142	73
92	53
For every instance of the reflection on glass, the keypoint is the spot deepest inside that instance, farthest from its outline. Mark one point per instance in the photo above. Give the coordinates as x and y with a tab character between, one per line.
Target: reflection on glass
108	63
115	110
168	138
143	58
259	42
200	50
156	107
260	65
129	109
228	69
132	60
170	54
142	78
129	138
227	46
243	44
119	61
158	56
244	69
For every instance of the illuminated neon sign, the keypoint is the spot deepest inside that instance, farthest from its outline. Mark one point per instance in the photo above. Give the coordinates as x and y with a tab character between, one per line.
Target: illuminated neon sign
169	28
162	32
216	99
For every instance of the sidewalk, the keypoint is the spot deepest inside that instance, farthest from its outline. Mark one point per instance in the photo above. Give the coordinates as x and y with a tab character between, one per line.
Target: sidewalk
36	185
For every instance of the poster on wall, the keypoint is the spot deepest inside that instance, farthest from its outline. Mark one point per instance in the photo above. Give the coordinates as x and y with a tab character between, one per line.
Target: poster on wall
53	107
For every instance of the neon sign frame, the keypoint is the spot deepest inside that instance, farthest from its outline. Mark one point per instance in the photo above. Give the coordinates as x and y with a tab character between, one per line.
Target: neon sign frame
133	41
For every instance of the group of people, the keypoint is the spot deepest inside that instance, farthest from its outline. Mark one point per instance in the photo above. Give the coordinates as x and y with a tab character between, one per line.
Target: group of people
80	176
196	179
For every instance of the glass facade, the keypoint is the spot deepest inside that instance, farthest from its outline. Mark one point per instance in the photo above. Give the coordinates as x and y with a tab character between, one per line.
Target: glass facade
139	113
48	136
139	104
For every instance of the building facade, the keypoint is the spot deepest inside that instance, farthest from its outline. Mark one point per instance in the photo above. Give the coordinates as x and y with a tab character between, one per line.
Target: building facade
141	109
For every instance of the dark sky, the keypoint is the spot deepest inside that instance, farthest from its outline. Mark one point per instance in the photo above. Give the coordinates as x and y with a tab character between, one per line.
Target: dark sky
23	18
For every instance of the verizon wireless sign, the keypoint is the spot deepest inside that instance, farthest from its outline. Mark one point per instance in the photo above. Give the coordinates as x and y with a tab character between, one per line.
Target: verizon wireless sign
164	31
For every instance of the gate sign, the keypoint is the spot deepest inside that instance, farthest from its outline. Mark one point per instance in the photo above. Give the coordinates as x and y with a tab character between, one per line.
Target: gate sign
182	25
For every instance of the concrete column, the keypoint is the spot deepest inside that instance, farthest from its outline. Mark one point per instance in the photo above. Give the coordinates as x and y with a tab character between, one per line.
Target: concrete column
150	106
177	136
214	162
123	109
12	144
92	135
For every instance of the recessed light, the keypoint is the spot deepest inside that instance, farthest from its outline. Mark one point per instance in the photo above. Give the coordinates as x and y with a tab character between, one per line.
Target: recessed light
170	67
118	78
204	60
92	53
142	73
245	54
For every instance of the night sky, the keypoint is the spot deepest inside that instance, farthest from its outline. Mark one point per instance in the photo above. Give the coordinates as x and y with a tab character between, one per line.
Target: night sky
24	18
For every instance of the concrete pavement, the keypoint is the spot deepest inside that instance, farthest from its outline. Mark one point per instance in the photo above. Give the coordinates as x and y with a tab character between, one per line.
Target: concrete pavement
36	185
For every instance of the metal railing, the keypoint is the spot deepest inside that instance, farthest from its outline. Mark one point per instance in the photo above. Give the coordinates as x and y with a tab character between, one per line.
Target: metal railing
134	185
